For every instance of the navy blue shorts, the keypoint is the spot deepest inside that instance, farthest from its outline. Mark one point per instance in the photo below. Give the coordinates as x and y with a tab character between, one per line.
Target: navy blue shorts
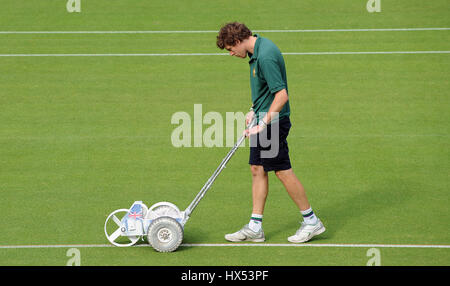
267	152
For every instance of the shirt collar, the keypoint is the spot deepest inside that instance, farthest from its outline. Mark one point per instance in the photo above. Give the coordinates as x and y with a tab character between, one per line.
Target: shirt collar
254	56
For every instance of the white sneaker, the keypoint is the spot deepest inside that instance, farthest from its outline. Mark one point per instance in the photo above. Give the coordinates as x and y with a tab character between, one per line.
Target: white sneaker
246	234
307	231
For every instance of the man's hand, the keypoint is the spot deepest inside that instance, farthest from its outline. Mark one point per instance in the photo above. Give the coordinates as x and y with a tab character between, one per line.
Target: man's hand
281	97
254	130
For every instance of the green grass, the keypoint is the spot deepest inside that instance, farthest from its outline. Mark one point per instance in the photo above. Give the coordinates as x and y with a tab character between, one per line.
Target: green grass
83	136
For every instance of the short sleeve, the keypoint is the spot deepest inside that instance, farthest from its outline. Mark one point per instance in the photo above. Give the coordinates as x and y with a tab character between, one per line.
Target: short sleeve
271	72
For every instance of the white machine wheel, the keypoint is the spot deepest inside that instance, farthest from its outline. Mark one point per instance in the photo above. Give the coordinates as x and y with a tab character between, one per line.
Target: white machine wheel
114	222
165	234
164	209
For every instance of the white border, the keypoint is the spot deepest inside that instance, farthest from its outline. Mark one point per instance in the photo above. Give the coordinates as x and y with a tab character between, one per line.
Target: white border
238	245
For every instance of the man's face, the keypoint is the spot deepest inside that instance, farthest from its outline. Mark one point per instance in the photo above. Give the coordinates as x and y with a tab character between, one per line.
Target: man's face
237	50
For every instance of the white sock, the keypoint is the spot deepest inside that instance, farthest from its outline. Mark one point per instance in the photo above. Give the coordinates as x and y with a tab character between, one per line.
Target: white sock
255	223
309	217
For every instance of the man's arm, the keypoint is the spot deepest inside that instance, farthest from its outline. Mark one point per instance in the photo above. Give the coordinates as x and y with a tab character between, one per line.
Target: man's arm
281	97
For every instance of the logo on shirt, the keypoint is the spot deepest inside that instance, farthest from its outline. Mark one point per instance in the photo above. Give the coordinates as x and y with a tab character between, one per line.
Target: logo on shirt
254	72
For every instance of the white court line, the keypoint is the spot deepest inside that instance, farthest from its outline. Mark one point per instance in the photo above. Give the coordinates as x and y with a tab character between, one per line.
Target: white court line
322	245
114	55
368	53
221	54
215	31
237	245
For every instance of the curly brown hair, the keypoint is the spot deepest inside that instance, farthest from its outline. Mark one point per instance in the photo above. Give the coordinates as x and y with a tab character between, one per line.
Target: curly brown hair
230	33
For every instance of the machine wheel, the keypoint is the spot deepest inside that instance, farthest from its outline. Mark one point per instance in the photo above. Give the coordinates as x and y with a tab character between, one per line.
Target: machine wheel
165	234
113	231
163	209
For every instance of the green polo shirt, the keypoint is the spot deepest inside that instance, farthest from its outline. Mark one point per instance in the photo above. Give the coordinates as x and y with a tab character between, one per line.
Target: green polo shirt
267	76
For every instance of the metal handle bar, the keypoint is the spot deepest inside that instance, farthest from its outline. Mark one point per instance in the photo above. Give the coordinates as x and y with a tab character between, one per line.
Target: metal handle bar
216	173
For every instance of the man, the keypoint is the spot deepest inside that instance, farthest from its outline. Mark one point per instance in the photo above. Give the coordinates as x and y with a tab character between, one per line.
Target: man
271	107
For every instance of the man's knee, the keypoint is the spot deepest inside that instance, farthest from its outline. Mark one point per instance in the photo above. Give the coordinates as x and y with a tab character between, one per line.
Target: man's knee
257	170
283	174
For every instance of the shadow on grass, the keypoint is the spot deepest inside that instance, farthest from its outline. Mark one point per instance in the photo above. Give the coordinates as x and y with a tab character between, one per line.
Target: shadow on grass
351	206
386	195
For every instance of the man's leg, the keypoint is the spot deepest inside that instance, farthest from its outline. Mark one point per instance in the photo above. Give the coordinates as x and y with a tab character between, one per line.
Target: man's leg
311	225
253	230
294	188
260	188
